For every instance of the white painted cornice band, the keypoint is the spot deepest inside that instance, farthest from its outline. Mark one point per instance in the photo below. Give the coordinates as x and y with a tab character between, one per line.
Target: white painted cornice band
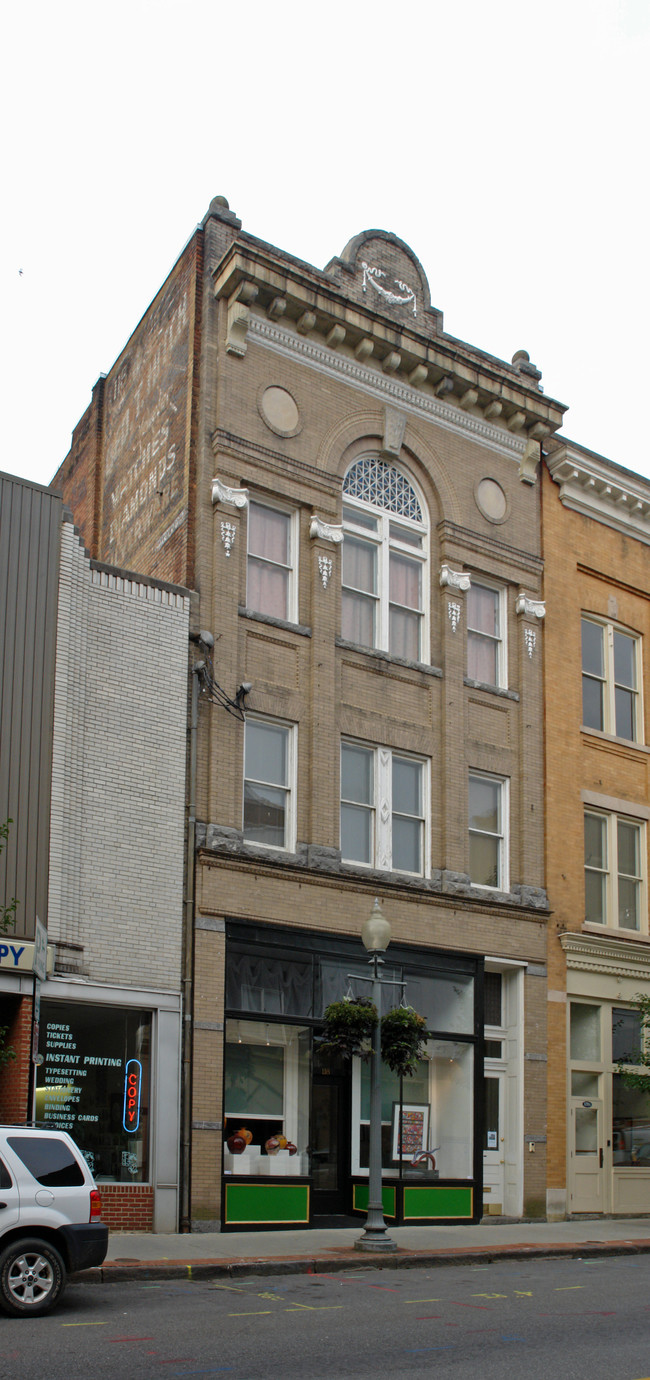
605	954
591	486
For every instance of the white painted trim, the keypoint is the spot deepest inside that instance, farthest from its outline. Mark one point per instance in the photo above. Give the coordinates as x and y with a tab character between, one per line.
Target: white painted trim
591	485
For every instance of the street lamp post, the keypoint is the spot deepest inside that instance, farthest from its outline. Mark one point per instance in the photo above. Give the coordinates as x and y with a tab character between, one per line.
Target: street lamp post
376	938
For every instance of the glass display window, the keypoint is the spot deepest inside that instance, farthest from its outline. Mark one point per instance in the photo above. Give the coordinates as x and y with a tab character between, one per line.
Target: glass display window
94	1082
585	1032
430	1114
630	1125
267	1088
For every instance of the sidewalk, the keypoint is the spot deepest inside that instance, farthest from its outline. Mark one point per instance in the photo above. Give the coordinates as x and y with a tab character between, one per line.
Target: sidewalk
212	1254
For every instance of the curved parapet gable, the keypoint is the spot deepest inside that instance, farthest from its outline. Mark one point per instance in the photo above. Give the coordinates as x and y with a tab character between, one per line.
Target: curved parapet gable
384	275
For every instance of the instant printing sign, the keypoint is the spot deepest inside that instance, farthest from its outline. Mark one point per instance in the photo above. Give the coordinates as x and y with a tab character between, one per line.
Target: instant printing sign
94	1083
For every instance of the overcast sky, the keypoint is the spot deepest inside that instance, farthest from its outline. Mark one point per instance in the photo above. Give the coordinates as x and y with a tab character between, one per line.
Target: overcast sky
507	142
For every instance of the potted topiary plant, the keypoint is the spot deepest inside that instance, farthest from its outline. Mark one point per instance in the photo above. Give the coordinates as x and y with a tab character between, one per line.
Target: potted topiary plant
348	1027
404	1036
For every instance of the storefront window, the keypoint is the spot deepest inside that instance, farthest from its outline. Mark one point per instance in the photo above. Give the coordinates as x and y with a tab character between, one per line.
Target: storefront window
94	1083
436	1115
275	986
266	1098
446	1001
585	1032
626	1035
336	976
630	1125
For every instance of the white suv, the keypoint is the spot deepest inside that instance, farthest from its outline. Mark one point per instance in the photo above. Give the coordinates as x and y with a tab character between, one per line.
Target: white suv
50	1218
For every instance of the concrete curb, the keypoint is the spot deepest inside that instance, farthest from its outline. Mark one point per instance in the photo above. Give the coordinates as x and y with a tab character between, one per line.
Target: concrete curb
240	1268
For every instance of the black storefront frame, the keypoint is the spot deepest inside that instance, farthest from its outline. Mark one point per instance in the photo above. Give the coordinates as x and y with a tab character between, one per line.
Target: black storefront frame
308	948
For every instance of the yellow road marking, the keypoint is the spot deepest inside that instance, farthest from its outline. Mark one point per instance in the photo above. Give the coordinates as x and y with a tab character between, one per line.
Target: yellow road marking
90	1324
564	1287
526	1293
314	1307
257	1314
233	1288
423	1300
489	1296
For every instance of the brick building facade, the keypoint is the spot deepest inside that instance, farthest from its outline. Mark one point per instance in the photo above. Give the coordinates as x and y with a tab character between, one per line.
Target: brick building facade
109	824
596	533
355	496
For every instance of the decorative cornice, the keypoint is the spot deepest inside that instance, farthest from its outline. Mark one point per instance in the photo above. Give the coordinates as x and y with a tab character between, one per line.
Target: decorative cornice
600	490
221	493
529	607
327	531
621	958
454	579
383	386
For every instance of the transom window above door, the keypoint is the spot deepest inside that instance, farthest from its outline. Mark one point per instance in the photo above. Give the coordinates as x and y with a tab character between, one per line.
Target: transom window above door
384	560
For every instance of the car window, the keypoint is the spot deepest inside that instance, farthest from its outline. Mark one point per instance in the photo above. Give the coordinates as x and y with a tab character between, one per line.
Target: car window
5	1176
50	1161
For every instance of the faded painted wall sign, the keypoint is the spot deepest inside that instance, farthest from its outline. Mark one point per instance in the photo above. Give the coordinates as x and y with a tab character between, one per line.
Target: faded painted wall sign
145	434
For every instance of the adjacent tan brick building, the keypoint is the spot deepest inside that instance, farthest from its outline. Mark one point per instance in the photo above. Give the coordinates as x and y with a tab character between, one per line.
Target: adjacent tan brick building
596	534
355	496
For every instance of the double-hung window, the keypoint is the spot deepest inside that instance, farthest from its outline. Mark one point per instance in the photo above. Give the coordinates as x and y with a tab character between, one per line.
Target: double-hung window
486	646
269	789
384	560
271	572
614	870
610	680
488	837
383	808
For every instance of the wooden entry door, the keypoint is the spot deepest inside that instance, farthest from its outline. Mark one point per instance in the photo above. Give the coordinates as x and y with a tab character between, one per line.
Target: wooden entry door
494	1143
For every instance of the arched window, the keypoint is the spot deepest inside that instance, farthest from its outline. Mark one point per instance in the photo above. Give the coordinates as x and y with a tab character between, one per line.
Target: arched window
384	560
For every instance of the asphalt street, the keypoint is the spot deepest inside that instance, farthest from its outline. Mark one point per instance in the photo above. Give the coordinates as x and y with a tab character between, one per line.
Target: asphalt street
572	1319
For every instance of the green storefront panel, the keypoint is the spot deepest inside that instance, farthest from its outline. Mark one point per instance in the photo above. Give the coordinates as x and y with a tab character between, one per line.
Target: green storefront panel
247	1204
436	1201
360	1199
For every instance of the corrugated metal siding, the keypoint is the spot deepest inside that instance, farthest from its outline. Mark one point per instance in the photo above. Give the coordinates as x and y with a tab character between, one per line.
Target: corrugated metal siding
30	525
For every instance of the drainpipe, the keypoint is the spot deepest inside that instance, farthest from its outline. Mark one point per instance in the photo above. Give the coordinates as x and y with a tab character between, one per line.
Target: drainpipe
188	961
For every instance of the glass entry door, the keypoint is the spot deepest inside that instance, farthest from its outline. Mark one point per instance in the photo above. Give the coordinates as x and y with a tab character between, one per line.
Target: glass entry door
330	1143
586	1156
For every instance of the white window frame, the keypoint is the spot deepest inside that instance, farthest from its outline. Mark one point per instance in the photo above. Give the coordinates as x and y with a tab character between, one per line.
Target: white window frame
385	543
291	566
291	730
612	875
608	681
381	808
503	836
501	640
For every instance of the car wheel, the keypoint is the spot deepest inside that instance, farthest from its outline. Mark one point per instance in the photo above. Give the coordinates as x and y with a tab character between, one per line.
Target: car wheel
32	1277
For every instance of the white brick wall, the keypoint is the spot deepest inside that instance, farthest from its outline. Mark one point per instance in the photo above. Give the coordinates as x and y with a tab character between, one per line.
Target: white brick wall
118	793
